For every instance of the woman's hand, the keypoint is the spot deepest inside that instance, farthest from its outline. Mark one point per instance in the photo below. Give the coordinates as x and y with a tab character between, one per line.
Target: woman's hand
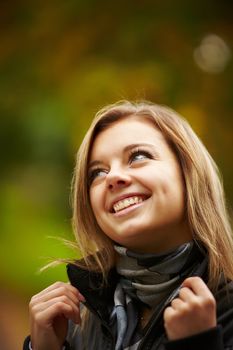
50	311
193	311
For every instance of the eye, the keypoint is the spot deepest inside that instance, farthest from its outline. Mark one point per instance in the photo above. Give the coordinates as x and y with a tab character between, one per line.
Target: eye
96	173
138	155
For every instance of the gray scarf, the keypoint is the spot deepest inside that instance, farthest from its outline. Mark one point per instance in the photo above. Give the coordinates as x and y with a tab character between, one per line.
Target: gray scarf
147	279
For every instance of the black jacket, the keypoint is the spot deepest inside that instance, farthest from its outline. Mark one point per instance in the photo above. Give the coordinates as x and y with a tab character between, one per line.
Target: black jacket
99	300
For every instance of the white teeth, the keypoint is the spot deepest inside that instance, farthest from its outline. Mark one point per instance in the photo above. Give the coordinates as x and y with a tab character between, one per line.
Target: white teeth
124	203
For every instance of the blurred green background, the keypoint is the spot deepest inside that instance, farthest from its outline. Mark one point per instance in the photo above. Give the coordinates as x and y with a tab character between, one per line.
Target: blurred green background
60	61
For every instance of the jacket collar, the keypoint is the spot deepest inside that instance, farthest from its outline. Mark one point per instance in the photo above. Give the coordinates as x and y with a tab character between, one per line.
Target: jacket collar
98	293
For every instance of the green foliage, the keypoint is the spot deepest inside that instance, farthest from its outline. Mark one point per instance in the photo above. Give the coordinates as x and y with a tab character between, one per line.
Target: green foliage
60	61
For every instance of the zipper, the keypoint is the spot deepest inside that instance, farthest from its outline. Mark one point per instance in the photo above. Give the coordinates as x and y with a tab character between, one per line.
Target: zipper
103	322
156	318
197	271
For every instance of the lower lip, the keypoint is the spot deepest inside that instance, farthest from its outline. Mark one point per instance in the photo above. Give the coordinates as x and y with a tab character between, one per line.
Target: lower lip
128	209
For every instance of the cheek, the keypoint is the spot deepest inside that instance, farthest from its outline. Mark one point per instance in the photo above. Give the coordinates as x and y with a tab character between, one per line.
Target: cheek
179	197
173	189
180	186
92	201
96	201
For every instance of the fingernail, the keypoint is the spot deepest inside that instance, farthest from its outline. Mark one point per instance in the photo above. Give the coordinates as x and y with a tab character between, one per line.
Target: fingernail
81	297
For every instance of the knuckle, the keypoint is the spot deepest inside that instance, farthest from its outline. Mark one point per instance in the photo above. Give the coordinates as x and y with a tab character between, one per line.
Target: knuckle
60	305
175	303
168	315
33	300
196	278
33	309
188	279
195	305
165	313
64	299
192	279
186	308
62	290
210	302
58	284
199	305
170	320
38	319
183	291
32	303
183	311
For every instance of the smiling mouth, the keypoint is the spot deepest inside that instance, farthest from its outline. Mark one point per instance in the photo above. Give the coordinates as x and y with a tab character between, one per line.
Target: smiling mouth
127	202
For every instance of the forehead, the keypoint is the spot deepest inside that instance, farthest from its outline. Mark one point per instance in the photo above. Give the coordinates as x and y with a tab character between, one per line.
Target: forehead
129	130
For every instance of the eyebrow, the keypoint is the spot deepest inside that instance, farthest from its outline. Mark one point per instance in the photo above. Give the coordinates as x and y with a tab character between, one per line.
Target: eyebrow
135	145
125	150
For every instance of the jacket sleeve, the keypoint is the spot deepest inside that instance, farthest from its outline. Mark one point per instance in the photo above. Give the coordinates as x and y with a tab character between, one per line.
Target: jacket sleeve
210	339
27	344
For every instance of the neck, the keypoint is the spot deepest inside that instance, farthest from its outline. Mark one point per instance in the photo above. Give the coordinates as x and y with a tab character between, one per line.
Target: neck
163	240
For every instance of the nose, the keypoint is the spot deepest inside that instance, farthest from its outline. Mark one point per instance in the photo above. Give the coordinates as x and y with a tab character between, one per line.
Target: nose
117	179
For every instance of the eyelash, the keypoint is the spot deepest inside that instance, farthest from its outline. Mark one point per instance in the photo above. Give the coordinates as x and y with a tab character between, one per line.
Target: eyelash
138	151
93	174
133	153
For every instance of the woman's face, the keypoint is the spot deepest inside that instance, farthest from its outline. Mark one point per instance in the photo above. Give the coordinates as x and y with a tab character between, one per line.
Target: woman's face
136	187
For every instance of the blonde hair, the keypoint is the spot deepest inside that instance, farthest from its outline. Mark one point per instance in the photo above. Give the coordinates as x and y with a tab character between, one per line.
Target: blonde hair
205	201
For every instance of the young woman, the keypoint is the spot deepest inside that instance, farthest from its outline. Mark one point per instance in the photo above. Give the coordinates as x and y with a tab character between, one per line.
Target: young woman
150	220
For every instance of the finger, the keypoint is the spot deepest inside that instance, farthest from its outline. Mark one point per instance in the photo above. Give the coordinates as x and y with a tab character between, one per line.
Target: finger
56	307
58	285
61	299
168	314
51	287
48	315
177	304
56	293
198	286
186	294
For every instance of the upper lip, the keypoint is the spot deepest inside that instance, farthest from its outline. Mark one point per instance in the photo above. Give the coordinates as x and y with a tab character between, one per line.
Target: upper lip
124	196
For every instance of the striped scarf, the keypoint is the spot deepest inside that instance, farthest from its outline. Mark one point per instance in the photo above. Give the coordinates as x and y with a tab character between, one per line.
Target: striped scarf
147	279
